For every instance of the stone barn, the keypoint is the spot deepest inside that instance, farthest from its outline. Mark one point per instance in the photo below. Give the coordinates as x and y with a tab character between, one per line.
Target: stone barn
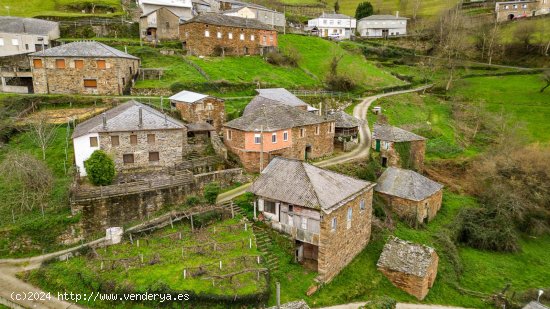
398	147
409	194
410	267
199	108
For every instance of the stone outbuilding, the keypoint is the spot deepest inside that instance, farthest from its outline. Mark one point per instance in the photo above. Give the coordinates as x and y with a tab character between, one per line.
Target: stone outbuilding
86	67
159	25
212	34
511	10
198	108
409	194
398	147
327	215
410	267
136	136
346	136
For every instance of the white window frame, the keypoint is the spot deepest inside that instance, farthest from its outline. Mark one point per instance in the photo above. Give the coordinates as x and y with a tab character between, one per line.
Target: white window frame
349	217
206	33
241	36
318	129
274	138
303	224
15	42
333	224
302	132
230	35
1	41
229	134
285	136
362	205
251	37
219	35
257	139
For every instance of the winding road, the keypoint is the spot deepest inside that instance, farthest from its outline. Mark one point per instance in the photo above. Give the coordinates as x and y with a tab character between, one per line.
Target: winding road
11	285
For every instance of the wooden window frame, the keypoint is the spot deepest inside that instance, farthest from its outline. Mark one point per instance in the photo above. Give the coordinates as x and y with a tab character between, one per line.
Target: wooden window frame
58	61
113	139
151	138
128	155
88	80
102	66
35	61
154	156
94	142
132	138
81	64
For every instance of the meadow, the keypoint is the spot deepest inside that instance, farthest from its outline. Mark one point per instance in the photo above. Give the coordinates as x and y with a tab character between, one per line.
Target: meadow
61	8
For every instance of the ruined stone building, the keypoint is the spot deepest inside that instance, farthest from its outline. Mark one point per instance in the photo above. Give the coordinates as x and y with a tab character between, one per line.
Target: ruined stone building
199	108
346	136
83	68
409	266
398	147
409	194
328	215
269	128
212	34
510	10
135	135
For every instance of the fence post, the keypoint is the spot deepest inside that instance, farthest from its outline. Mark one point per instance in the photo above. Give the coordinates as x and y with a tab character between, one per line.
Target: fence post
131	239
278	295
137	242
232	212
220	265
171	223
184	273
192	226
250	243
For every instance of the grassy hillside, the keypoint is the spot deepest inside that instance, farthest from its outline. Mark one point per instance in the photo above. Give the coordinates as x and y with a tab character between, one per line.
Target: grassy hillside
541	27
33	8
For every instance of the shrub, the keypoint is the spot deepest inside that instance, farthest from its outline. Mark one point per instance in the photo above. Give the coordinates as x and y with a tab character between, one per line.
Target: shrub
192	200
339	83
211	192
100	168
177	87
289	58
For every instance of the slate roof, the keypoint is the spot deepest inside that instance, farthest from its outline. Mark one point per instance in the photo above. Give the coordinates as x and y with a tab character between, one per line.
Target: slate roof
535	305
299	183
298	304
279	95
188	96
199	126
125	117
406	184
335	16
383	17
173	3
228	21
9	24
386	132
406	257
345	120
270	116
83	49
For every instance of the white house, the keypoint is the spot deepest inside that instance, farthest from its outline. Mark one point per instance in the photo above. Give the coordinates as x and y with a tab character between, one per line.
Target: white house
263	14
382	26
26	35
333	25
182	8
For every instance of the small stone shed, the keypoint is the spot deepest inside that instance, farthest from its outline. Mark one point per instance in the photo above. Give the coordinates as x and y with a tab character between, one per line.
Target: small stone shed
398	147
409	194
409	266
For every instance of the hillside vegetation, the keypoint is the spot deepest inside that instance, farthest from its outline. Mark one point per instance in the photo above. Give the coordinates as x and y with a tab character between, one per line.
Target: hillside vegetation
62	8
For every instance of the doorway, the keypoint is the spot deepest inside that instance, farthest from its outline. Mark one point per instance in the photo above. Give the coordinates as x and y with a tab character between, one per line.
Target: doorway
511	17
384	162
307	152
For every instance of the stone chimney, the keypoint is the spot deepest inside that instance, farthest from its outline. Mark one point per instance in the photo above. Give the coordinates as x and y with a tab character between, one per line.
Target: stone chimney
140	117
104	121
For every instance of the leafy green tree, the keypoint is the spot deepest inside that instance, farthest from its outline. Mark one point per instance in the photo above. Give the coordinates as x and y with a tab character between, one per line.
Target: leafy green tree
211	192
100	168
364	9
337	6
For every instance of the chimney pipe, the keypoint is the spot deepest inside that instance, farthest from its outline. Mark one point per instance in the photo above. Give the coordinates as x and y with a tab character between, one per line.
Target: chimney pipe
165	120
397	14
140	117
104	121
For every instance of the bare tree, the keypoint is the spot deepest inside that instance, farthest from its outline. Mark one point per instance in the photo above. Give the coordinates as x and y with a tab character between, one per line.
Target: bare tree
416	8
524	33
42	133
546	79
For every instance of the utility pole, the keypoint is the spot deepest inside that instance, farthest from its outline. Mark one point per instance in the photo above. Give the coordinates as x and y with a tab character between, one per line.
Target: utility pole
261	148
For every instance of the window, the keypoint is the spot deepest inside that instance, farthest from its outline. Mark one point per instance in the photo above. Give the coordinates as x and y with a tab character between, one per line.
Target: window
506	7
331	127
515	6
115	140
154	156
133	139
90	83
1	42
304	223
206	33
269	207
333	224
350	215
101	64
27	46
79	64
302	132
362	205
317	130
37	63
525	6
257	138
167	25
230	35
229	134
290	208
60	63
285	136
251	37
274	138
219	35
242	36
14	42
150	138
93	141
128	158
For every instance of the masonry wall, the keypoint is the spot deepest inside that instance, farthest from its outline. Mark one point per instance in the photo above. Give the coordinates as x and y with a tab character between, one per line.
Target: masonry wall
170	145
164	23
417	154
424	210
414	285
209	109
195	41
517	9
113	80
338	247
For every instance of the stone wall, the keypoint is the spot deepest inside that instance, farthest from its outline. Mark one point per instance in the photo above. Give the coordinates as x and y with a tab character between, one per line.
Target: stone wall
414	285
338	247
168	143
416	159
112	80
209	109
423	211
196	43
218	145
165	28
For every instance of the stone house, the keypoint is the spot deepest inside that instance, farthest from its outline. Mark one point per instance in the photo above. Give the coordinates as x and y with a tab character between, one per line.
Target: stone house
382	26
252	11
83	68
409	194
346	135
332	25
327	215
159	25
510	10
270	129
26	35
398	147
282	96
410	267
196	108
135	135
212	34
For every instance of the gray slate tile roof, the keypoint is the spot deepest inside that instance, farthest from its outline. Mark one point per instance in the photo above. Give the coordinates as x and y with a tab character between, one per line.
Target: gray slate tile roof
199	126
298	304
282	95
383	17
406	257
10	24
406	184
125	117
385	132
273	116
83	49
335	16
345	120
299	183
228	21
535	305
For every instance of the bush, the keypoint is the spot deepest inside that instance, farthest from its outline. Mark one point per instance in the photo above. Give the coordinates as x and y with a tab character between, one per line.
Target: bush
340	83
100	168
211	192
192	200
177	87
283	59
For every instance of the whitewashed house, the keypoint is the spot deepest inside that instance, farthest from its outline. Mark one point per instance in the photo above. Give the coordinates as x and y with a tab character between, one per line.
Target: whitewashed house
181	8
26	35
338	26
382	26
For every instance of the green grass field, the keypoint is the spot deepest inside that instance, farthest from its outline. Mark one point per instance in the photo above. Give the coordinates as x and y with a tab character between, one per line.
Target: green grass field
541	27
428	8
56	8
